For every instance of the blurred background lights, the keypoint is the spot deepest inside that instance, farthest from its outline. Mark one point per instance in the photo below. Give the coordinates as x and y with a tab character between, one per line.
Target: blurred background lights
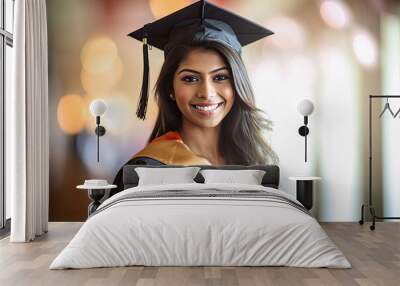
301	72
161	8
289	33
267	78
71	113
98	54
335	13
365	48
90	124
334	62
317	52
102	82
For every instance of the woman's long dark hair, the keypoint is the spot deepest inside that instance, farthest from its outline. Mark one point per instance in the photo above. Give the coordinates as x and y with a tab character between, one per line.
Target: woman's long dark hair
241	141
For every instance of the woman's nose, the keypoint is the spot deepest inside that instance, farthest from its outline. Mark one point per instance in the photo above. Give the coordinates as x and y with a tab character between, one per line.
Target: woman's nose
206	90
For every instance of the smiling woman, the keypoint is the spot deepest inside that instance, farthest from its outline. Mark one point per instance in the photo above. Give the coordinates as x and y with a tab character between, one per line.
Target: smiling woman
206	101
207	111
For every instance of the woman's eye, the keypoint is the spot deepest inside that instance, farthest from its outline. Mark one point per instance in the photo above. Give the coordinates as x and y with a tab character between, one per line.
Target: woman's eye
190	79
221	77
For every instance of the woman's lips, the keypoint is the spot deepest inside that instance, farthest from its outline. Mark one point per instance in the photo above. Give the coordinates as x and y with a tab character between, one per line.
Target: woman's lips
206	109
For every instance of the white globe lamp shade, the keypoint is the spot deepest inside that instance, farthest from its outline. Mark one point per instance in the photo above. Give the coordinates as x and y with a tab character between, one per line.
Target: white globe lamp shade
305	107
98	107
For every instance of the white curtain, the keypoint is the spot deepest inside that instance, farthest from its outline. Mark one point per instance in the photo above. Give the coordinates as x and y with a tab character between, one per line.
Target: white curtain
27	124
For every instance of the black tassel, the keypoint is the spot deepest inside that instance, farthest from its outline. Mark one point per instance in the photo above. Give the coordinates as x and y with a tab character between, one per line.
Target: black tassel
203	6
144	93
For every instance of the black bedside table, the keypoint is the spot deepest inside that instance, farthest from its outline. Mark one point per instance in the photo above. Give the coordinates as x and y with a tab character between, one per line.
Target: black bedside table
96	194
304	190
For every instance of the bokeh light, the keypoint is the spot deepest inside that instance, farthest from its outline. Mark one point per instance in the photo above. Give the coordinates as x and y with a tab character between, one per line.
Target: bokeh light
267	78
301	72
120	117
333	60
102	83
98	54
289	33
365	48
335	13
271	75
161	8
90	123
71	113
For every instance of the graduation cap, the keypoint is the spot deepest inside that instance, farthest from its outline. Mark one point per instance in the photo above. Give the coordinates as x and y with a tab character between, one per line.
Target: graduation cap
201	21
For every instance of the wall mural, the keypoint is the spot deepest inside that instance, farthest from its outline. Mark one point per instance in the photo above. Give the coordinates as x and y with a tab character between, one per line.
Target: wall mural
91	57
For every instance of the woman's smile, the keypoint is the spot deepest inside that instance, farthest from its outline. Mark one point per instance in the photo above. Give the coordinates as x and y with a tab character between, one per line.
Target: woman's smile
207	109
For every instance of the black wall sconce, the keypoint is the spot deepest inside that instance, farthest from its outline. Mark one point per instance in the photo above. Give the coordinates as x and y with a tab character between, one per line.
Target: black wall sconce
98	108
305	108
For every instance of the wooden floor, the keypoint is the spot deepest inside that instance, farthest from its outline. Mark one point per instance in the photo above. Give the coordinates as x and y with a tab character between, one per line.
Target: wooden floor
374	255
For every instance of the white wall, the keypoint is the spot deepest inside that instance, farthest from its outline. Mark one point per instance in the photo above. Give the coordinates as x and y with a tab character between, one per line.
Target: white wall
339	131
390	126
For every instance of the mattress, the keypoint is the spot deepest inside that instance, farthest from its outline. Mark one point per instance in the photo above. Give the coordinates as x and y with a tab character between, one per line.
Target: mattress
201	225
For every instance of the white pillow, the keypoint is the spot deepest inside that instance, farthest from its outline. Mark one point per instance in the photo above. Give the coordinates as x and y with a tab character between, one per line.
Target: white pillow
163	176
248	177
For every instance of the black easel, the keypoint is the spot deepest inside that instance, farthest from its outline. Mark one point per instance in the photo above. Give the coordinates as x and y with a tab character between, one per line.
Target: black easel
370	205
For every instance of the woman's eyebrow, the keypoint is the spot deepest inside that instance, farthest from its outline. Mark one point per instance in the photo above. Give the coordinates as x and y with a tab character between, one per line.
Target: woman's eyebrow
194	71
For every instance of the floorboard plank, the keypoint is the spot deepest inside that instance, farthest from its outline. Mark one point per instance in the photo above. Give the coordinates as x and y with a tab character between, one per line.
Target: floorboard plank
374	255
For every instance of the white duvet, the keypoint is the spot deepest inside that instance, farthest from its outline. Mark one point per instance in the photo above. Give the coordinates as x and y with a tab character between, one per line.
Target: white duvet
190	230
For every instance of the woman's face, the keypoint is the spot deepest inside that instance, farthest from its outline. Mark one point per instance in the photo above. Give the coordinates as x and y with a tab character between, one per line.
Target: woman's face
203	88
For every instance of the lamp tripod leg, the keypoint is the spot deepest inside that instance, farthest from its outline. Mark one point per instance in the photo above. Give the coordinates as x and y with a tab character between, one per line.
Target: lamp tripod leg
361	221
372	210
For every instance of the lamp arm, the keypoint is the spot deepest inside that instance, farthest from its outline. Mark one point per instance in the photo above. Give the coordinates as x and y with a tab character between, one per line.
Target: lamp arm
305	148
98	137
305	138
98	147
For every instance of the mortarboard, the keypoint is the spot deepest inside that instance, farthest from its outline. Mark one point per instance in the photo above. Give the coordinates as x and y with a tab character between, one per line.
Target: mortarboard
201	21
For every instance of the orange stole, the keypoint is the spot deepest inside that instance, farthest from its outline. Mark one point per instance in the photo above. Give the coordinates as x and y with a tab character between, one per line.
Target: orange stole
170	150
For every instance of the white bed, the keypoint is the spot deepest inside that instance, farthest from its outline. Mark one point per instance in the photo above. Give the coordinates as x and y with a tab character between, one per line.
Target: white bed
201	224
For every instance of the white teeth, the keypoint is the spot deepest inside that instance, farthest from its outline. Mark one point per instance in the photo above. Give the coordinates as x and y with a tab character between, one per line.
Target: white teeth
206	108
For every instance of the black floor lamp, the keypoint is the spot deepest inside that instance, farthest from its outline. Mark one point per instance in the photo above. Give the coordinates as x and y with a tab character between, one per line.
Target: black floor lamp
98	108
370	204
